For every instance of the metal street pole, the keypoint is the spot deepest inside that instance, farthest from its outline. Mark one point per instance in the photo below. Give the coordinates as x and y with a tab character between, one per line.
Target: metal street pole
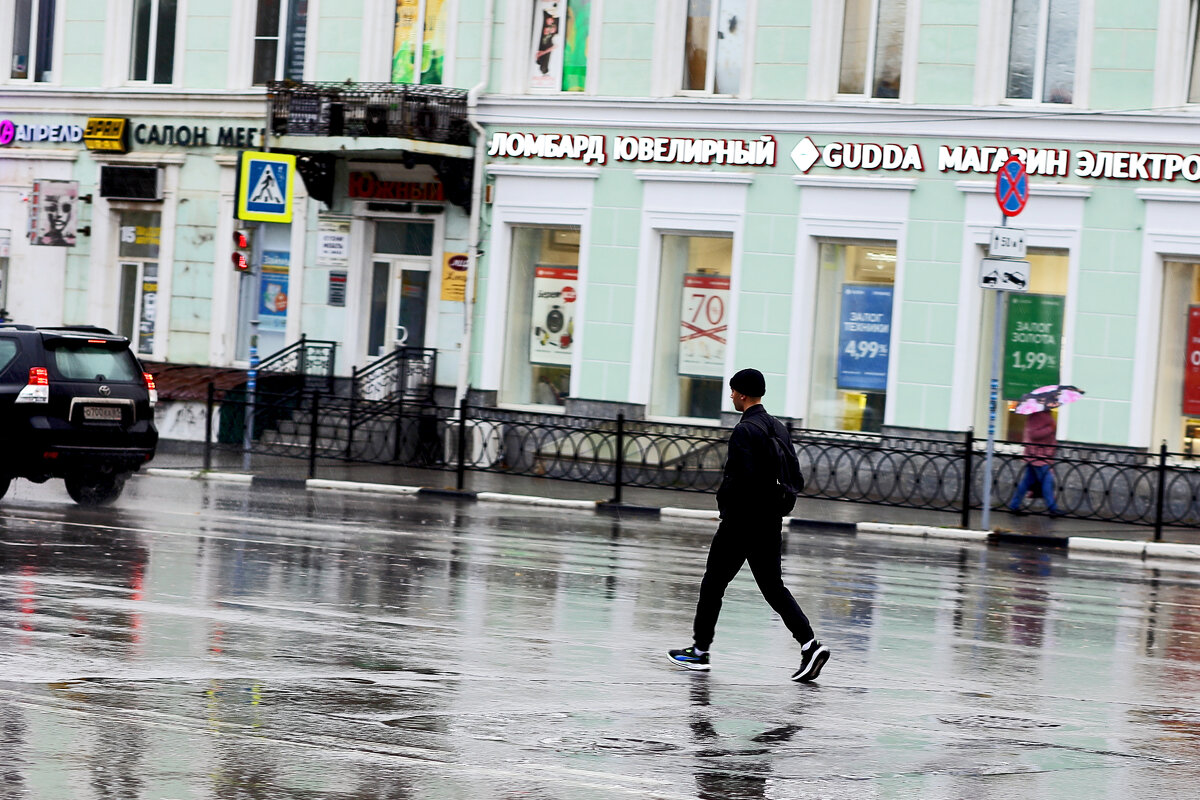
993	401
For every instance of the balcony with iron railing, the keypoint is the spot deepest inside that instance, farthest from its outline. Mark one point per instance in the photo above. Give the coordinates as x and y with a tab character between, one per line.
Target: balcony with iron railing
431	114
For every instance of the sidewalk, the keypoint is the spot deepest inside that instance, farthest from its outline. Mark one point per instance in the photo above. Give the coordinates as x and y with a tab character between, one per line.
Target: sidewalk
808	511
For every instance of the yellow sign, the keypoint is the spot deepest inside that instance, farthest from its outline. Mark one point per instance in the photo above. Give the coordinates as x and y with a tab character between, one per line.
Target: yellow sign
265	182
454	277
106	133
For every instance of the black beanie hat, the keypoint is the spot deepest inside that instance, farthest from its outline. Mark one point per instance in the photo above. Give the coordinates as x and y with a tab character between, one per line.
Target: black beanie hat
749	382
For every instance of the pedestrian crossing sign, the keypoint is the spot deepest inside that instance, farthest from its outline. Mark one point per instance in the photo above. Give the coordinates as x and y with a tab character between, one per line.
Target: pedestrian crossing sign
265	187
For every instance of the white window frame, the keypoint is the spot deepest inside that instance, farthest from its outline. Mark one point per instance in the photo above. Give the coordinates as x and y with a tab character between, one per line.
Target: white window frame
716	205
519	22
995	34
1057	226
825	63
280	38
8	29
127	7
534	196
911	22
1176	51
841	210
670	49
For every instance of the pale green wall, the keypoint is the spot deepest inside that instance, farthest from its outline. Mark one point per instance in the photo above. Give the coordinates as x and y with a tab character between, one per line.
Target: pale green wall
205	64
1123	55
83	43
947	44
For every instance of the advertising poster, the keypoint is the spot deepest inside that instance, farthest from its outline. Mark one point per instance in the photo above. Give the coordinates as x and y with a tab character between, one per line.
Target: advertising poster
53	213
333	243
704	325
433	43
1032	342
1191	367
149	310
552	317
579	14
273	291
454	277
546	67
864	337
404	41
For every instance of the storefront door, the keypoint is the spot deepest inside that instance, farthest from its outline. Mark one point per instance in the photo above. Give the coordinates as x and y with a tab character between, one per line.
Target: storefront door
399	301
398	304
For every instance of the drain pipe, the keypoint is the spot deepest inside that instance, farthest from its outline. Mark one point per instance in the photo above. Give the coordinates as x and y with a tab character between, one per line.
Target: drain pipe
476	225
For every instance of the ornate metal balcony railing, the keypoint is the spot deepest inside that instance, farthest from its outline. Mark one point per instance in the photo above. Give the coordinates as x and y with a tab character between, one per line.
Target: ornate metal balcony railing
406	111
943	474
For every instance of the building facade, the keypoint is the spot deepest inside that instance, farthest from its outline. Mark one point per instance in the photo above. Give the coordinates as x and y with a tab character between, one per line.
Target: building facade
669	192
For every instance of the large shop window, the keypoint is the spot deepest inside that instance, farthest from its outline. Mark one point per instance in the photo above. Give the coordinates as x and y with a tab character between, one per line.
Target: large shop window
714	46
153	55
1031	349
1041	54
543	289
419	41
558	47
1177	395
33	40
693	326
137	252
852	336
280	22
872	47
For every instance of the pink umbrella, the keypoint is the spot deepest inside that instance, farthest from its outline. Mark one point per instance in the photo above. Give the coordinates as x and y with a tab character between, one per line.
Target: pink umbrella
1047	397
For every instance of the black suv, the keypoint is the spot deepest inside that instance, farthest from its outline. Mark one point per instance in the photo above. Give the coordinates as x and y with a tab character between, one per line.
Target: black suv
74	404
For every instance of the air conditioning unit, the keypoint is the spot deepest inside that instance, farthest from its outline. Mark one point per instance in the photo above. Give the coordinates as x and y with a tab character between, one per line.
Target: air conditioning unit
120	182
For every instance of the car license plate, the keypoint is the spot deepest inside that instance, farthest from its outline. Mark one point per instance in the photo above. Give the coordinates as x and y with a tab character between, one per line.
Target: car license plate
102	413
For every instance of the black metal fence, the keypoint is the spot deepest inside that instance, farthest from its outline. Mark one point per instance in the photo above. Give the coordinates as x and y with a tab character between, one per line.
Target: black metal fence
941	472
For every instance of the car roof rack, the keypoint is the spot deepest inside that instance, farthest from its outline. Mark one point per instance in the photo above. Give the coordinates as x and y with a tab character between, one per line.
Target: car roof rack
17	326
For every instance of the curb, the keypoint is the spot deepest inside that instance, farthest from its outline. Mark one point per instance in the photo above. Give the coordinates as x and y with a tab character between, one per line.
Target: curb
1073	545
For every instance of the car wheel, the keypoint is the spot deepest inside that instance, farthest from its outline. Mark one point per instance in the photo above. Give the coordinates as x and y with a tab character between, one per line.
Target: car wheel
94	490
4	483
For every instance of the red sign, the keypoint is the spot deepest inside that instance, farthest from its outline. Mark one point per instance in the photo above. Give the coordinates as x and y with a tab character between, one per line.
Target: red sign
1191	366
1012	187
365	184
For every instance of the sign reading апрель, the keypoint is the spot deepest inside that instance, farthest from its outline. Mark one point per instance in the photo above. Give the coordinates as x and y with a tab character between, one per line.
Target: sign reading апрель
265	187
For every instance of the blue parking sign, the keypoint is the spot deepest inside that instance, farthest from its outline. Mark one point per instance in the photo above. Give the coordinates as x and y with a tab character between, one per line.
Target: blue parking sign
265	187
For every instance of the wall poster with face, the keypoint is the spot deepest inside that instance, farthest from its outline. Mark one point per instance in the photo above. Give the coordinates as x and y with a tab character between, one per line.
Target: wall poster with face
53	213
546	66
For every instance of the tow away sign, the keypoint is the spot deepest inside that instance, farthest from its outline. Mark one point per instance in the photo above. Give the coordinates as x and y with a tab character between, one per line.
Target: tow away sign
1004	274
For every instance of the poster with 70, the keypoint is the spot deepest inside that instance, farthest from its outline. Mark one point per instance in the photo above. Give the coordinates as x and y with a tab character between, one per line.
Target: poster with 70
703	327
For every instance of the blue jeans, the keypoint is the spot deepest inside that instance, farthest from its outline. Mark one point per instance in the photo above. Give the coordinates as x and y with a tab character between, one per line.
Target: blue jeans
1043	475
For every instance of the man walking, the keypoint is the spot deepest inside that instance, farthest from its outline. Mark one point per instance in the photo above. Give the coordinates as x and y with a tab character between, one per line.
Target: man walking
751	529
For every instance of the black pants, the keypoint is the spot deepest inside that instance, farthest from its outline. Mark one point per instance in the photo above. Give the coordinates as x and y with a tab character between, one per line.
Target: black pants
736	542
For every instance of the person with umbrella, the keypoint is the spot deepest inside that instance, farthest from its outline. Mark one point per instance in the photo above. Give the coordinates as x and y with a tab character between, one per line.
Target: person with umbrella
1041	441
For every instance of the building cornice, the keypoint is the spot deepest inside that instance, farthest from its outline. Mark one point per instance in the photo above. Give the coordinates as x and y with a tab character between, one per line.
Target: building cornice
827	120
139	102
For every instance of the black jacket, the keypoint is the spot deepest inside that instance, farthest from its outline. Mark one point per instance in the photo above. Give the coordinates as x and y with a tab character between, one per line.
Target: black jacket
749	489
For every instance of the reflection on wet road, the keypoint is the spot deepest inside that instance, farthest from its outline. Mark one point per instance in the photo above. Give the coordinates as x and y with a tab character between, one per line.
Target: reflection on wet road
207	641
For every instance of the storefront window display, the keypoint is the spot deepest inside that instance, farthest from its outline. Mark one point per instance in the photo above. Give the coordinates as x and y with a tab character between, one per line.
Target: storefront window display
1031	350
543	290
852	336
137	251
1177	394
692	331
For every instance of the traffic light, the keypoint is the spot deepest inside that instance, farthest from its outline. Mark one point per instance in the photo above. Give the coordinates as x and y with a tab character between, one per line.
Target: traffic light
241	250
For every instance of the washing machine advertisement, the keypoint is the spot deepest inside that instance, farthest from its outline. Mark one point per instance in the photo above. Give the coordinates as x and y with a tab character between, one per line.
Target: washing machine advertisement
553	315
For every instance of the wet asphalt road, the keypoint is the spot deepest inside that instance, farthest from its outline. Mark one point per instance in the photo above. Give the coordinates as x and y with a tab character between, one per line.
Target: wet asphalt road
223	641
